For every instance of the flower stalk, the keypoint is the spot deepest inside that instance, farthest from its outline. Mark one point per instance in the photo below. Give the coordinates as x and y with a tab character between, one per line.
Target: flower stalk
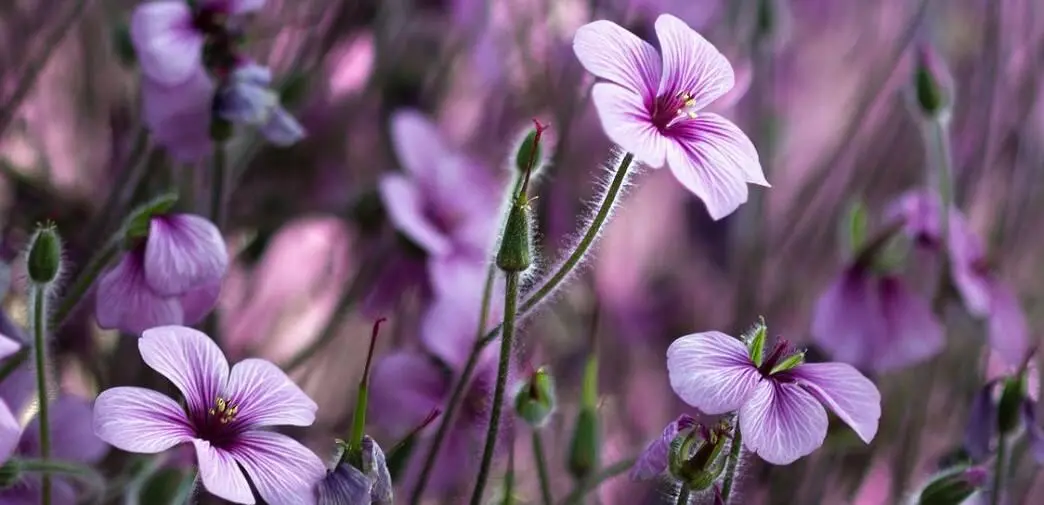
735	453
355	440
39	321
541	464
683	495
1000	469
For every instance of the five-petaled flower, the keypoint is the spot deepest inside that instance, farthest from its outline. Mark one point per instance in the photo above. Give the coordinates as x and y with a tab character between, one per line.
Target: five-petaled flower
224	413
653	105
778	396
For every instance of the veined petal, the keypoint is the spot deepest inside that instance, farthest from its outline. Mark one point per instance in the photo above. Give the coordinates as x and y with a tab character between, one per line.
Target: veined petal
125	301
10	432
220	474
8	346
723	141
140	420
190	360
654	459
418	143
707	168
782	422
183	251
344	485
405	205
404	388
267	397
1009	331
169	48
282	470
197	302
711	371
691	64
853	397
609	51
626	122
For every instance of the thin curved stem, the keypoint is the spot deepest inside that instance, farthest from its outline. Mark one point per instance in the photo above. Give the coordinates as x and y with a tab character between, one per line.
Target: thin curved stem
506	340
541	464
39	301
582	488
1000	469
735	453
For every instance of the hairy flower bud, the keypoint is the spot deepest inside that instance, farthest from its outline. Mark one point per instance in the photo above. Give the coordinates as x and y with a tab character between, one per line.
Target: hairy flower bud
696	456
514	254
953	487
535	401
45	255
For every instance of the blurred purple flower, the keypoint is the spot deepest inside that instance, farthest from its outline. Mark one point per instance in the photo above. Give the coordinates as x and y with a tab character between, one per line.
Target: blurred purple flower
875	322
248	99
780	411
984	295
225	411
9	427
169	36
347	485
445	203
173	277
652	102
654	460
178	116
72	439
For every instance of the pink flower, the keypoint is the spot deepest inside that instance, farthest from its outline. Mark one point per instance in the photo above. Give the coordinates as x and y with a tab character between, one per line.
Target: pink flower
224	413
875	322
652	105
173	277
779	398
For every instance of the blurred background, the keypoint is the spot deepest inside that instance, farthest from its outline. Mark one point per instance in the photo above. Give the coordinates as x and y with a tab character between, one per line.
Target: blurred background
823	89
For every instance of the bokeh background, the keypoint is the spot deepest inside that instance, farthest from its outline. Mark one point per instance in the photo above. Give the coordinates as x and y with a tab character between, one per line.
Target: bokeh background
823	88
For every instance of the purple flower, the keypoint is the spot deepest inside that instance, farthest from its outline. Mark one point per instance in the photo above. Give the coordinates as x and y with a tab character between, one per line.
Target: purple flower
347	485
875	322
179	115
224	413
654	460
445	203
780	400
248	99
173	277
652	105
169	35
9	427
984	295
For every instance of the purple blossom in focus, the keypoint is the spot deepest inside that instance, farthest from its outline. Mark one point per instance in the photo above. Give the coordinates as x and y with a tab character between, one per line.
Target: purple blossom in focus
781	411
654	460
223	418
652	106
875	322
173	277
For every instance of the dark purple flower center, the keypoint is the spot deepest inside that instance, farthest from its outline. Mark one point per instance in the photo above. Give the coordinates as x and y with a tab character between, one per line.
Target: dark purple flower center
670	108
781	351
217	424
222	38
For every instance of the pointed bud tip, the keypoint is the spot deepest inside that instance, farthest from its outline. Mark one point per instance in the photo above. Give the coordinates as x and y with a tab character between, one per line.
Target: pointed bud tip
44	261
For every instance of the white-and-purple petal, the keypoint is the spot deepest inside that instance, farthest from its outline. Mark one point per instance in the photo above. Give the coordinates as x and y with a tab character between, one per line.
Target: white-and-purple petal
267	397
125	301
140	420
627	123
612	53
220	473
183	251
711	371
782	422
190	360
853	397
691	64
282	470
169	48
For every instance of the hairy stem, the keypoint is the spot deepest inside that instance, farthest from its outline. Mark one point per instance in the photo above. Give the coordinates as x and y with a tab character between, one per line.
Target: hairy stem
39	321
683	495
735	453
541	464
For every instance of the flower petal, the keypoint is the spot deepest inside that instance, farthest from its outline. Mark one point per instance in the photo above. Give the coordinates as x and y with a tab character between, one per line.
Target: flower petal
418	144
707	167
1034	433
10	432
196	303
246	6
691	64
72	431
626	122
911	332
125	301
169	49
8	346
179	116
782	422
711	371
282	470
609	51
1009	331
982	424
183	251
344	485
221	475
190	360
724	143
654	459
404	389
853	397
140	420
267	397
282	128
405	205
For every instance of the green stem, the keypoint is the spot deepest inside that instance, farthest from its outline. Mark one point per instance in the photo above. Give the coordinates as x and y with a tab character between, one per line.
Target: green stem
1000	470
582	488
541	464
735	453
85	474
217	186
39	301
506	340
85	280
458	391
683	495
941	177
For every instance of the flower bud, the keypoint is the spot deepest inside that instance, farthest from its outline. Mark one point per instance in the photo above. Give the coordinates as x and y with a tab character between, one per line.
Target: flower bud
932	83
123	46
586	445
514	254
45	255
535	401
1009	409
530	152
697	457
347	483
953	487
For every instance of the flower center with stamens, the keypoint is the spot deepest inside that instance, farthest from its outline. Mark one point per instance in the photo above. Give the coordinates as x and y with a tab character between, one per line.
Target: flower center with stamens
669	109
218	424
782	354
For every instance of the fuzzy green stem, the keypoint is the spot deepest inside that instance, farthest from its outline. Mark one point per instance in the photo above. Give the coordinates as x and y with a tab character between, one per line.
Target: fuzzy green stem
458	391
217	186
39	321
85	280
506	340
735	453
1000	470
683	495
589	484
541	464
